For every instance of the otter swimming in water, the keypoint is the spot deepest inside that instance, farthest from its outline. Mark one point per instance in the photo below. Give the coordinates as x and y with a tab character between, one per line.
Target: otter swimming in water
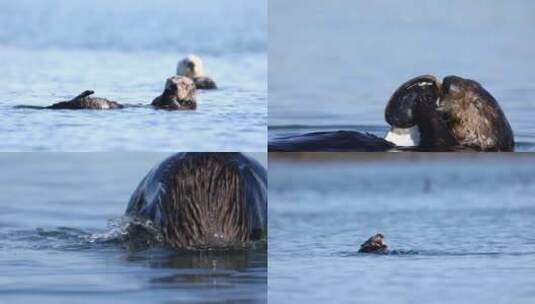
424	115
374	244
192	67
178	94
82	101
204	200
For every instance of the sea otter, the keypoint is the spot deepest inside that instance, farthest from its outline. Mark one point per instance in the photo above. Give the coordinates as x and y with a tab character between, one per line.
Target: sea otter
204	200
424	115
178	94
474	117
192	67
374	244
84	101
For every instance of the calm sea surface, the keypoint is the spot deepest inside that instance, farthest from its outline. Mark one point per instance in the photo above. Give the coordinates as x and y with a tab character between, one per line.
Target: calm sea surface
60	242
465	227
52	50
334	64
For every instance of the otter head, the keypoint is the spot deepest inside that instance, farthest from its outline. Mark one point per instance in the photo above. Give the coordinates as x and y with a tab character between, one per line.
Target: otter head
408	107
191	67
180	88
374	244
473	116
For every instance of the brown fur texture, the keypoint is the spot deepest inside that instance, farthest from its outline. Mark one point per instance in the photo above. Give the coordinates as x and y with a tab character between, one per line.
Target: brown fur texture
204	200
179	94
458	113
474	117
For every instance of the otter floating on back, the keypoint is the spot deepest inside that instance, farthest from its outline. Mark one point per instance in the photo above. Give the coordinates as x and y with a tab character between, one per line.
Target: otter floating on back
424	115
80	102
204	200
192	67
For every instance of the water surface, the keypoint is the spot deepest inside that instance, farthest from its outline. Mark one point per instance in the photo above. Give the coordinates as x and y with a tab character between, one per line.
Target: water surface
125	52
60	240
465	225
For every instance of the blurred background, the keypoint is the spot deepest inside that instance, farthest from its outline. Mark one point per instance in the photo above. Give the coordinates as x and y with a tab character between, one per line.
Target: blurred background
206	26
335	64
462	226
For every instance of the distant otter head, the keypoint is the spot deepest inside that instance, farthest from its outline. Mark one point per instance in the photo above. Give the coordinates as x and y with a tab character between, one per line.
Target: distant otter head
474	117
205	200
191	67
374	244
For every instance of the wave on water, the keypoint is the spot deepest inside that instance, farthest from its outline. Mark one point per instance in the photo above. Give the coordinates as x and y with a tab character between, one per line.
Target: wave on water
206	26
135	234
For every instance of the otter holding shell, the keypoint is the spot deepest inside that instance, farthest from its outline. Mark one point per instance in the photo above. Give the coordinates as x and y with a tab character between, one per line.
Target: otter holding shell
424	115
204	200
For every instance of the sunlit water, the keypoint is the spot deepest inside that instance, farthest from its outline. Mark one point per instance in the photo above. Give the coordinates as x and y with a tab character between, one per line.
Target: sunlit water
61	239
464	224
339	67
124	51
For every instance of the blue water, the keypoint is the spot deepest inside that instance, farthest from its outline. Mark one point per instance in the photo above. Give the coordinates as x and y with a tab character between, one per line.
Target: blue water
61	240
340	65
464	223
52	50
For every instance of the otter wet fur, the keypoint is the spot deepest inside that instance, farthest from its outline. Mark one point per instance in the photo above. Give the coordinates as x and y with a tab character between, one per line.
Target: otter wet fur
374	244
179	94
474	117
84	101
424	115
204	200
453	115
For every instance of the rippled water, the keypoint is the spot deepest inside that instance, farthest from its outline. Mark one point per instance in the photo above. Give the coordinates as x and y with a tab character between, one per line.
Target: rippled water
58	244
466	226
339	67
124	52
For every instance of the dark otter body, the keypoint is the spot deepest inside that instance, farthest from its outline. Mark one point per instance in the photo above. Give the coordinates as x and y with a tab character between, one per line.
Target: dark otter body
179	94
167	101
83	101
458	115
204	83
330	141
374	244
200	200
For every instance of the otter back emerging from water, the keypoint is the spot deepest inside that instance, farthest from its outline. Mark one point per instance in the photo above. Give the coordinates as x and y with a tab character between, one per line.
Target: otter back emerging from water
204	200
